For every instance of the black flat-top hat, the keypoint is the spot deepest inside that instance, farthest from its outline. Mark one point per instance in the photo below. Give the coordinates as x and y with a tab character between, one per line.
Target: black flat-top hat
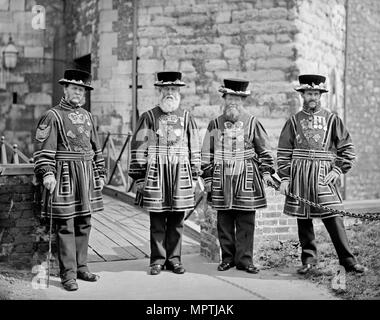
77	77
311	82
236	87
169	78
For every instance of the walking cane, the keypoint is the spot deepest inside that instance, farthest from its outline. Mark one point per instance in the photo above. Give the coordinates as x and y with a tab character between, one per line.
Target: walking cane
50	227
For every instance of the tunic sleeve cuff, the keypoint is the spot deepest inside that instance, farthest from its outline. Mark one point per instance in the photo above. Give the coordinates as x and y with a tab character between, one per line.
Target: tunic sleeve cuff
137	181
207	180
337	170
47	174
46	170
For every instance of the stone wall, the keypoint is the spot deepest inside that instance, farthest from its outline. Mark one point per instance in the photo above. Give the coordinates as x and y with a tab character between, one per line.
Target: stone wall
31	80
206	40
23	236
320	46
211	40
111	99
363	97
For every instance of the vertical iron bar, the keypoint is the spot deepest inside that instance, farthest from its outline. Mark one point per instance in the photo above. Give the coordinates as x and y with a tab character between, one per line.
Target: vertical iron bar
134	66
344	191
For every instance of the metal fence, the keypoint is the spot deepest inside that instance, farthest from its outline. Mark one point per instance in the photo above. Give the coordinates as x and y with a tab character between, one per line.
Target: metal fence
116	151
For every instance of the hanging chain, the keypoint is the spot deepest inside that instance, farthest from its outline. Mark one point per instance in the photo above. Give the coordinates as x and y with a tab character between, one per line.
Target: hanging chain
364	216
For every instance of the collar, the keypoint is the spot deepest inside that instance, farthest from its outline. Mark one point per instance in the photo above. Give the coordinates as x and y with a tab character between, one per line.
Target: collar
68	106
311	113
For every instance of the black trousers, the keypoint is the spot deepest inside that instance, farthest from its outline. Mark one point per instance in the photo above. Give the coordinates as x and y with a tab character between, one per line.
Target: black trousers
72	244
166	229
337	232
235	232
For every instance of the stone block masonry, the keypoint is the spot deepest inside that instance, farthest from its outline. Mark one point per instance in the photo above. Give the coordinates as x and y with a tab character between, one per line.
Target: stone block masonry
23	236
363	97
26	84
206	41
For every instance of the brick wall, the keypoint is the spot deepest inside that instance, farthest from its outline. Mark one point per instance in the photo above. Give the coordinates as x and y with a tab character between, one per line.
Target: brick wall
31	80
363	97
23	238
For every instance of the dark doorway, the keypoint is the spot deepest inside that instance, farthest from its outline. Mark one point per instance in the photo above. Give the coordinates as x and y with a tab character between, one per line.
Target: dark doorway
84	63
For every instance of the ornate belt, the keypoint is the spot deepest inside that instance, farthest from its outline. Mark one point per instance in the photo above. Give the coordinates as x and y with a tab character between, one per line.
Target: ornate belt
311	154
74	156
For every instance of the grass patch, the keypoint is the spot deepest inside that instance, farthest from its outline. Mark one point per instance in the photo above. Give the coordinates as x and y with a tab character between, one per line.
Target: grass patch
364	241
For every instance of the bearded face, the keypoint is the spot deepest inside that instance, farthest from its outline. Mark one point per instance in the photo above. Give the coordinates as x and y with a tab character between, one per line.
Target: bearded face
169	98
233	106
311	100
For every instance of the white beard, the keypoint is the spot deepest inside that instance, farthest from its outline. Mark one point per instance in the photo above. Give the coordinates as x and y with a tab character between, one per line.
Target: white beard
169	105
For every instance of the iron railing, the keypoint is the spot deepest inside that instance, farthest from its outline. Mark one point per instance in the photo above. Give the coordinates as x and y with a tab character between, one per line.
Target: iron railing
15	154
10	154
114	159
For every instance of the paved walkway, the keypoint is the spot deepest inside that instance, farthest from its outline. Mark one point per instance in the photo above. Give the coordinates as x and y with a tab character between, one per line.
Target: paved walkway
129	280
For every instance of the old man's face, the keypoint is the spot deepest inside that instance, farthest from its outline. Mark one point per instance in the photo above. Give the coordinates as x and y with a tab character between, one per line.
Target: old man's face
169	98
233	105
74	94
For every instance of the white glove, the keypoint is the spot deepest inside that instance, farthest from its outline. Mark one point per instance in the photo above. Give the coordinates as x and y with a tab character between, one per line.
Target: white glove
50	182
331	177
268	180
284	187
101	180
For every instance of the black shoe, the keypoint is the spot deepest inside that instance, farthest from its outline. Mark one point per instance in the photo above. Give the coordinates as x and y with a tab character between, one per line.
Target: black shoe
70	285
305	268
155	269
87	276
225	266
250	268
176	268
356	268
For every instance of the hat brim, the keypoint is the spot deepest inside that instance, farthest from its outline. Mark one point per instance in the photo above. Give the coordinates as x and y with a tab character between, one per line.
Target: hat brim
303	87
320	90
177	83
65	81
235	93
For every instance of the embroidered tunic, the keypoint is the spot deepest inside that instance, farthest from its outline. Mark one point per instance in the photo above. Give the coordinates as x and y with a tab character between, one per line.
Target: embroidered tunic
310	146
67	146
165	154
234	157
